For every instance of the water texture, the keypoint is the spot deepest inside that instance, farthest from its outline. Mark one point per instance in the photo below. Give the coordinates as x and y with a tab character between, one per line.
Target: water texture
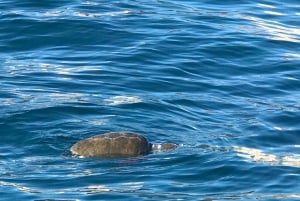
219	78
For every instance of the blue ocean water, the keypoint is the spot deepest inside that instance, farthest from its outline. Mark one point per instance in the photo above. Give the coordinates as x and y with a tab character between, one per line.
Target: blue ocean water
219	78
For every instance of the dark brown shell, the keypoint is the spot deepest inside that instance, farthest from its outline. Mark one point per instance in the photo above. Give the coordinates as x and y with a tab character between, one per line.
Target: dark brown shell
118	144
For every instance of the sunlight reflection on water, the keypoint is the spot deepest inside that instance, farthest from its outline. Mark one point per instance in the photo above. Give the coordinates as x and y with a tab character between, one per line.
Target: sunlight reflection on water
259	156
118	100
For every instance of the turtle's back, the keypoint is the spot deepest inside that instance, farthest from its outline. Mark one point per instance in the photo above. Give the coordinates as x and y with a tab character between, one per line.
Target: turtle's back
117	144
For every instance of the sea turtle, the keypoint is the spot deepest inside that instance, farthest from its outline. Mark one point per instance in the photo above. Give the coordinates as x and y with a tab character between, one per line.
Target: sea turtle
116	144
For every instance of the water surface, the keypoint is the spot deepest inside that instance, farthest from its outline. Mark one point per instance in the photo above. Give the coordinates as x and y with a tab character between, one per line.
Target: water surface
220	79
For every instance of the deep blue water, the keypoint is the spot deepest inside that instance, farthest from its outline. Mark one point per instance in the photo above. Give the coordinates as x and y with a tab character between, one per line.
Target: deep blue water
219	78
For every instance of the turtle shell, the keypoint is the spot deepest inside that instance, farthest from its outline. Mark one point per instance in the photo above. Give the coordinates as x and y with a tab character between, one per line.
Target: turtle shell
116	144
